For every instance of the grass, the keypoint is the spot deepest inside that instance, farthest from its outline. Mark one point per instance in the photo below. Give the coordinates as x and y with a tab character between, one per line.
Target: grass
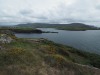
20	30
28	57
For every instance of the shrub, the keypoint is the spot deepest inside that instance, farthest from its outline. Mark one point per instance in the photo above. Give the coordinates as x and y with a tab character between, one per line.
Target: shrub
15	51
57	60
11	56
48	49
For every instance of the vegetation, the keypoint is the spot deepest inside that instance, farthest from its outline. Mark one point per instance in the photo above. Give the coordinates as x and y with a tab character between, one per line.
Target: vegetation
21	29
43	57
30	57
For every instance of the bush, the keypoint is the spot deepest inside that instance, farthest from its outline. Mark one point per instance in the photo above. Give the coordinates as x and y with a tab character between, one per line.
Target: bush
48	49
11	56
15	51
57	61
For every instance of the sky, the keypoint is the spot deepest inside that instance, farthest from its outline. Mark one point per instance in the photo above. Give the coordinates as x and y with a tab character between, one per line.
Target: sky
50	11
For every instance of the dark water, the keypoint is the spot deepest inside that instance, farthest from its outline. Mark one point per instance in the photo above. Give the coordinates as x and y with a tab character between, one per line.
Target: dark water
83	40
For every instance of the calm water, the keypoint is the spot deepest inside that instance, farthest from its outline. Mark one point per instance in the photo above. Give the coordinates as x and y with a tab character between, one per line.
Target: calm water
83	40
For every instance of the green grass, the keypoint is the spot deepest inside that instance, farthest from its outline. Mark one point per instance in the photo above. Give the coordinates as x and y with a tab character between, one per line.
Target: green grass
20	30
25	57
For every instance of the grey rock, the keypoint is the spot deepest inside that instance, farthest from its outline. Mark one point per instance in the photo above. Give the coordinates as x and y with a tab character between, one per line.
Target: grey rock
5	38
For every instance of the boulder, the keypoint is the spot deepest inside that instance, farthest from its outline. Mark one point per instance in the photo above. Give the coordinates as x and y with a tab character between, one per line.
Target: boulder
4	38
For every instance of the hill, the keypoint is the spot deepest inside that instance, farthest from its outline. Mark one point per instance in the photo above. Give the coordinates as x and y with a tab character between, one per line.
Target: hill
20	29
43	57
72	26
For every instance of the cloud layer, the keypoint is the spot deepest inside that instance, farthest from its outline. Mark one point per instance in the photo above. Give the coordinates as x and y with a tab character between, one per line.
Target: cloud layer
50	11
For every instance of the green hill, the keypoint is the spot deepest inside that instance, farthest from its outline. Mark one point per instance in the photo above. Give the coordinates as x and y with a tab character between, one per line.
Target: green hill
20	29
72	26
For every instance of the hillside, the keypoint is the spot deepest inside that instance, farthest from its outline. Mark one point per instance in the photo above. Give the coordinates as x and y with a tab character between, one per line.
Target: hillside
43	57
21	29
72	26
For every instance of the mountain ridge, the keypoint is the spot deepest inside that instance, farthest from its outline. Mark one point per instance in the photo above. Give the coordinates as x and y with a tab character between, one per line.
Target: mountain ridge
72	26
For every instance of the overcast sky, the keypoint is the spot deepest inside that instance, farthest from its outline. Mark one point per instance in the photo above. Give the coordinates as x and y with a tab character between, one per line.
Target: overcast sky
50	11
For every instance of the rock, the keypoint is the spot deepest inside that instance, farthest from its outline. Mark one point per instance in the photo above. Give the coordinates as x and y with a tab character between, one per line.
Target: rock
7	32
5	38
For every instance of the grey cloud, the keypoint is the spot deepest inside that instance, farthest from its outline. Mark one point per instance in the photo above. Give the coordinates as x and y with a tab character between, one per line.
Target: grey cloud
26	12
50	11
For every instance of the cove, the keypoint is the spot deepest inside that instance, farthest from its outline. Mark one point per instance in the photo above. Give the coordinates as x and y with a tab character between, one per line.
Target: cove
83	40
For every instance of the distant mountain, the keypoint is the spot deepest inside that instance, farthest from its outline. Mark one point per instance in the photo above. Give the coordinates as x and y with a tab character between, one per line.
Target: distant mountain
72	26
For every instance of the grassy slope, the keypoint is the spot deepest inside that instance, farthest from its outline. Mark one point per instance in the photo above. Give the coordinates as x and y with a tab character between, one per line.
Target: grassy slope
36	57
21	29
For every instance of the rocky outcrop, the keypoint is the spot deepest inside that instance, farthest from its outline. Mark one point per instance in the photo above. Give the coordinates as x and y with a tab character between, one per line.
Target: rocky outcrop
5	38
